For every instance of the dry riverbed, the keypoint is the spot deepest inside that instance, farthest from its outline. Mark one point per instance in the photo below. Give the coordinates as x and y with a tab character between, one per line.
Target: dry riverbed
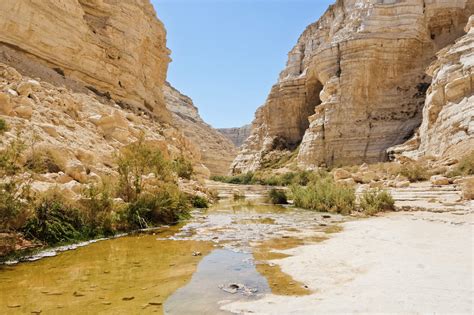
405	262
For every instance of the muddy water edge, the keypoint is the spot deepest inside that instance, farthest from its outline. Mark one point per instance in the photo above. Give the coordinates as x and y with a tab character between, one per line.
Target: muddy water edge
221	255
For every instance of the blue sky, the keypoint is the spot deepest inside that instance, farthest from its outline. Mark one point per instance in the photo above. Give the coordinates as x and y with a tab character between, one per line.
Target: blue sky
228	53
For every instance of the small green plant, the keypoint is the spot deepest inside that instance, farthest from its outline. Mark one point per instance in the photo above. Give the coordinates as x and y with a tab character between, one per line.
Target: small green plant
182	167
96	208
375	200
134	162
465	166
414	171
3	126
166	205
324	195
199	202
55	222
10	156
277	197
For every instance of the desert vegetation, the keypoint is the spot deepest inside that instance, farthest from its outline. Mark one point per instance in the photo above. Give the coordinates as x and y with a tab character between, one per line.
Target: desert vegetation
144	194
325	195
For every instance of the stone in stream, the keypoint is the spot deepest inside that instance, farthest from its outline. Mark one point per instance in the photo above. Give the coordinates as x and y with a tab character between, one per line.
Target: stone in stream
197	254
128	298
77	294
13	305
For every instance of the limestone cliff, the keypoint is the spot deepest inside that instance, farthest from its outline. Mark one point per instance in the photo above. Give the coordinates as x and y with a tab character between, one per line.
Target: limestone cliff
78	133
217	152
116	48
355	82
447	129
236	135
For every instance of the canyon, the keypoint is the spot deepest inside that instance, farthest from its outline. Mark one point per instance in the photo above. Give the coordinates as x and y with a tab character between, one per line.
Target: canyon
74	71
355	85
366	140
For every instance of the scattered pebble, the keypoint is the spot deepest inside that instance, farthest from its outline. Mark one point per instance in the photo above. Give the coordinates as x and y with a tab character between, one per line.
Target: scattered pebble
128	298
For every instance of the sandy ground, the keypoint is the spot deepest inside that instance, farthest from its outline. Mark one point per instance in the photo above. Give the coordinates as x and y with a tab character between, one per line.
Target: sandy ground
406	262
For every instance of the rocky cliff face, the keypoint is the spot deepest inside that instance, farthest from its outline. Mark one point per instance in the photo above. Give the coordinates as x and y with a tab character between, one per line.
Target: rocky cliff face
447	129
355	82
116	48
78	133
236	135
217	152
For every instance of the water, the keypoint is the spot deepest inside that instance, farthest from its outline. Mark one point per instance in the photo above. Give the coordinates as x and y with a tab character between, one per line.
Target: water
220	267
176	270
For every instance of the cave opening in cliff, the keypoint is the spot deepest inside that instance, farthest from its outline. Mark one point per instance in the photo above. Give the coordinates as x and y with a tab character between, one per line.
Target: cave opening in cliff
313	91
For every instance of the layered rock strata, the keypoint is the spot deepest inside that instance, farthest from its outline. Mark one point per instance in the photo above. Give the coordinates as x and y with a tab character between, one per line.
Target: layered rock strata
236	135
355	82
447	129
217	152
116	48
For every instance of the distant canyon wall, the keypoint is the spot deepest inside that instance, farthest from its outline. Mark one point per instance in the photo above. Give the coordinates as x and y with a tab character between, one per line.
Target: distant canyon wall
217	151
355	83
237	135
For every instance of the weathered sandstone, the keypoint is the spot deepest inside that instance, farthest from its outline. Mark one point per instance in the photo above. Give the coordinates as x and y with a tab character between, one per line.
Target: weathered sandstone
80	133
355	82
447	129
217	152
236	135
116	48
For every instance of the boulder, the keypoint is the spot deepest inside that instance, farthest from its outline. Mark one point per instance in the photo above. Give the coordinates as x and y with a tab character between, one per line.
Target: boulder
439	180
340	173
6	106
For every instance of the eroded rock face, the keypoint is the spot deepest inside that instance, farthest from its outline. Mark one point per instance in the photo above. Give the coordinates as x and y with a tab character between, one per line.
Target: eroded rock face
355	82
447	129
217	152
236	135
116	48
79	133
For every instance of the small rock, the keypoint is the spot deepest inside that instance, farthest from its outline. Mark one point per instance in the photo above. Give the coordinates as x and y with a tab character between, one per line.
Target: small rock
106	303
13	305
197	254
24	111
402	184
155	303
341	174
439	180
5	104
326	216
128	298
77	294
36	312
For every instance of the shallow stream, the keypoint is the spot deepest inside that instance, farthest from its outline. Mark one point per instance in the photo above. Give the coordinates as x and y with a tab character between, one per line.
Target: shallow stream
221	255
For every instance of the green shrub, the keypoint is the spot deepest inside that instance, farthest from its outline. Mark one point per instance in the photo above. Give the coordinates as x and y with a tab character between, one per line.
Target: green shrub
324	195
199	202
277	196
182	167
96	208
134	162
166	205
465	166
15	204
375	200
414	171
3	126
10	156
55	222
43	161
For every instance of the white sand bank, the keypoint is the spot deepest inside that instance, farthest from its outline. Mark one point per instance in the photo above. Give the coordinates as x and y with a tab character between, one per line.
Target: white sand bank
415	262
